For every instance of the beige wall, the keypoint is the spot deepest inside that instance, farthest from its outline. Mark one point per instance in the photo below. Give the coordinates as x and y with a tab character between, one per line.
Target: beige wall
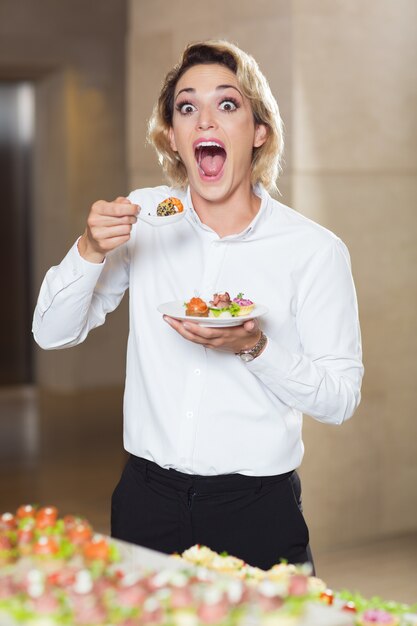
355	156
343	73
76	57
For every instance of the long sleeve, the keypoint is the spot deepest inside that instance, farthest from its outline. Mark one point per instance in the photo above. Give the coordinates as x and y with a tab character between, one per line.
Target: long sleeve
76	296
323	380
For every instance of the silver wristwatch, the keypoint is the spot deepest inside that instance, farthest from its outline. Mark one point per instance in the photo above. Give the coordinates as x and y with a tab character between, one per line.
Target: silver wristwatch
252	353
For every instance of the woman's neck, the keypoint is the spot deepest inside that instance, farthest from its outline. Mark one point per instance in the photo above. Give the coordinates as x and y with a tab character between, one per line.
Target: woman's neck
230	215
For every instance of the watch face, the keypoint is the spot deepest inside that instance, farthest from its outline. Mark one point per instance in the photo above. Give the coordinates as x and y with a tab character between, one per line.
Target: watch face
247	357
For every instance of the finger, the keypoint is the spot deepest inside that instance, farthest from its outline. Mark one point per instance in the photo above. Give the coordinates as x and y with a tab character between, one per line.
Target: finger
106	245
118	209
183	331
107	232
251	326
204	331
111	220
114	242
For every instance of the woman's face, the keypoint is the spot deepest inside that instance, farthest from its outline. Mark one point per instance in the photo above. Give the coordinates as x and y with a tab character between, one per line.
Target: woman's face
214	132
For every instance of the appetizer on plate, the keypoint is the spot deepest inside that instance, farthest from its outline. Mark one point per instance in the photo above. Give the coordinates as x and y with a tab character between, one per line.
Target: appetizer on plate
196	307
222	306
246	305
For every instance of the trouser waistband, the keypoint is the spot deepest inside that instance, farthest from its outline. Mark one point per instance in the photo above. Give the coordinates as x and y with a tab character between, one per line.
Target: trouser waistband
203	484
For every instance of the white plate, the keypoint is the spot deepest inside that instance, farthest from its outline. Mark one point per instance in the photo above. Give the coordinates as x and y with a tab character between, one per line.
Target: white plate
176	309
163	220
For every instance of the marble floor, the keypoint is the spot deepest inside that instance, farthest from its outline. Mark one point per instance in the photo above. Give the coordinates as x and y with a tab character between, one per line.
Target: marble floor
67	450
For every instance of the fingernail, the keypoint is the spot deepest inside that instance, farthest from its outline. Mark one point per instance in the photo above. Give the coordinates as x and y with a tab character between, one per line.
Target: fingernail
251	325
186	326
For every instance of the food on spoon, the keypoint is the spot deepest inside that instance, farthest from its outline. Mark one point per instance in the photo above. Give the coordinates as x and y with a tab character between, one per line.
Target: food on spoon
246	306
170	206
196	307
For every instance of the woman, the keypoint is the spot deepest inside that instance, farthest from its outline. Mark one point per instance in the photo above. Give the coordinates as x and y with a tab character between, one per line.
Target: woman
213	416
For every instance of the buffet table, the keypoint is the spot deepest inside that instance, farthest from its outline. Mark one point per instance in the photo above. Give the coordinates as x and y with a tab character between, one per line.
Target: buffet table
315	614
59	572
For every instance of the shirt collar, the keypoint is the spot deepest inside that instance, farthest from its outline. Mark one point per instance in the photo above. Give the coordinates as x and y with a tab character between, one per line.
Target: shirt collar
259	190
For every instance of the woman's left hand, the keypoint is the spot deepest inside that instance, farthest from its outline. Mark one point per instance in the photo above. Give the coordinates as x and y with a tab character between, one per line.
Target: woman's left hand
229	338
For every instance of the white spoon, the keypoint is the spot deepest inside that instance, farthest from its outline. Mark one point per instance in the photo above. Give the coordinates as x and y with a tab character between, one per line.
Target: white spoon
163	220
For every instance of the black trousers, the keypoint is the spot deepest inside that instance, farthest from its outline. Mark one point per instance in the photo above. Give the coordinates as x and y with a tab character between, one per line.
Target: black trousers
258	519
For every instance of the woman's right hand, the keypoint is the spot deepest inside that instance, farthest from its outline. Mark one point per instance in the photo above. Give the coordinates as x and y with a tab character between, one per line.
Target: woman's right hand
109	225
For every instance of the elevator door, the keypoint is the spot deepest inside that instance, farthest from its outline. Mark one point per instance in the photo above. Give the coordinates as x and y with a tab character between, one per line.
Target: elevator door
16	138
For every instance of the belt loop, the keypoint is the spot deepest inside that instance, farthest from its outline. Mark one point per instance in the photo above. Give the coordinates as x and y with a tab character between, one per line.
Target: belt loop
146	472
259	486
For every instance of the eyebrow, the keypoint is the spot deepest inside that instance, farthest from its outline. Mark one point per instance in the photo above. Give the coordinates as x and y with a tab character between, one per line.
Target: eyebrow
218	88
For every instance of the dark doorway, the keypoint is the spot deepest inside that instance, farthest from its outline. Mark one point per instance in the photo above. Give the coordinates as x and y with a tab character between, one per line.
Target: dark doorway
16	141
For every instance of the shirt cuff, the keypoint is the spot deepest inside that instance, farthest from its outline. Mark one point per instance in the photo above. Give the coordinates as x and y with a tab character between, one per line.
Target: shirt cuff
72	269
274	361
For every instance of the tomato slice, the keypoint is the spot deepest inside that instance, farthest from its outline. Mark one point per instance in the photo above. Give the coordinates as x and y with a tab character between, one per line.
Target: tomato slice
45	546
80	532
97	549
327	596
7	521
26	510
46	517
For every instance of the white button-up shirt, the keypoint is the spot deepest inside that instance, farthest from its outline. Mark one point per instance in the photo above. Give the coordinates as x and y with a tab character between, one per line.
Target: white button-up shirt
206	411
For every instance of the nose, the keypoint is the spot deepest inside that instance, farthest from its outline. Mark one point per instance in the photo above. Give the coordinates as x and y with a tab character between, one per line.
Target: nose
205	119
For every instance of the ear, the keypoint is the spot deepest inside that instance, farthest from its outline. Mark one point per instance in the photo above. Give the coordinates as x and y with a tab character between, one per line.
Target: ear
261	134
171	138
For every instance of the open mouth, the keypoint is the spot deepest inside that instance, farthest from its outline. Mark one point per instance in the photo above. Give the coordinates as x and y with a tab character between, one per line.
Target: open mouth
211	157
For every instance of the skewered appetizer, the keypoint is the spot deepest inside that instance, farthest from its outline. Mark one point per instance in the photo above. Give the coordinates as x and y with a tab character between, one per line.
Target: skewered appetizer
196	307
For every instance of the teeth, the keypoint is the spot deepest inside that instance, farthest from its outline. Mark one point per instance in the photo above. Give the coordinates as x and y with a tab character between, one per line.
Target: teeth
207	144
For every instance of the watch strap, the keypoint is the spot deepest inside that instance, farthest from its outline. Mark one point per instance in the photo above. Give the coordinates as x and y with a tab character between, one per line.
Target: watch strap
256	349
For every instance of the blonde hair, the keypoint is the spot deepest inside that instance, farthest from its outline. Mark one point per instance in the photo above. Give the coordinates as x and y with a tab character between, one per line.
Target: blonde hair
266	158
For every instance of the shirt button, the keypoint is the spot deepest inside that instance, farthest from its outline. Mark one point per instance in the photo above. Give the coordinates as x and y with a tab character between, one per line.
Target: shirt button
197	371
189	414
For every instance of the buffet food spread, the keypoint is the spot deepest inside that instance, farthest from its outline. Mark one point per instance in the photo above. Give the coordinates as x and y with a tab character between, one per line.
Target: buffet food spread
58	571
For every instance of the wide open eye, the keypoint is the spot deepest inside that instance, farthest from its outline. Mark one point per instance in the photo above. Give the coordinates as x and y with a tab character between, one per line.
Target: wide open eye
185	108
228	104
